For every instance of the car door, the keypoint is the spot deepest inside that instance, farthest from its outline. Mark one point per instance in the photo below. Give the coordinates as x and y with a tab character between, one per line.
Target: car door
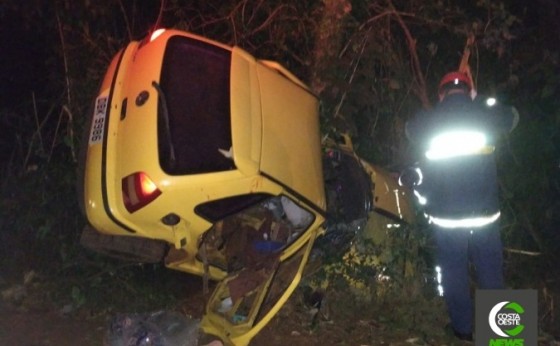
265	258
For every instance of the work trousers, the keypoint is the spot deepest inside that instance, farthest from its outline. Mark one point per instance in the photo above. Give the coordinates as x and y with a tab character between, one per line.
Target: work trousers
456	249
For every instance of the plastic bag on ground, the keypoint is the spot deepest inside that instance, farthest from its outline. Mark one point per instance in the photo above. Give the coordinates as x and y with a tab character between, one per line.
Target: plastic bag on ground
162	328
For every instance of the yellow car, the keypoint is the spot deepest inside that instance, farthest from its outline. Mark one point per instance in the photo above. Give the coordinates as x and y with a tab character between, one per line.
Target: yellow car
357	190
203	157
355	187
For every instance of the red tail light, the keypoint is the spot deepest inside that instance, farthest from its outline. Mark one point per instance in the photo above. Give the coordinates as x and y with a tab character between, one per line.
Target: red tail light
138	190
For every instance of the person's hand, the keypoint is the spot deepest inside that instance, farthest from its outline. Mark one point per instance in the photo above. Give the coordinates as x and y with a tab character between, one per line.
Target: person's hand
410	177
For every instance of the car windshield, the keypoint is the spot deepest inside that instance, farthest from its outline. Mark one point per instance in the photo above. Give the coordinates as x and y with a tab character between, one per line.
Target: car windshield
195	83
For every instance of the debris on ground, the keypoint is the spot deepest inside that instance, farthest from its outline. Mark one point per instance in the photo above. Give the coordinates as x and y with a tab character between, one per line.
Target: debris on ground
161	328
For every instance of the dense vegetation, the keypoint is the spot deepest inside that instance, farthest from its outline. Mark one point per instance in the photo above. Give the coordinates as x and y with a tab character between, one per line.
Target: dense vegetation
374	64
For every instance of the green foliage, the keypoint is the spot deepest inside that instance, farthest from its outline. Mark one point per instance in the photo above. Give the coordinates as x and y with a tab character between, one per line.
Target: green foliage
107	285
78	296
386	275
39	218
385	260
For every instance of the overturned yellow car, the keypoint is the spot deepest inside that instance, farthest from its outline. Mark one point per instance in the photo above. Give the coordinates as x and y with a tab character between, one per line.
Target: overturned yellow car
203	157
210	160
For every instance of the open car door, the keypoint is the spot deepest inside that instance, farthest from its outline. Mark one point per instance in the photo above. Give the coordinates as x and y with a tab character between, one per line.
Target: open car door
264	250
245	302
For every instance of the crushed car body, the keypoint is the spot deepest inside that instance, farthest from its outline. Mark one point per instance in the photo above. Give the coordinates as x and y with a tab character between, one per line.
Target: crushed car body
203	151
204	158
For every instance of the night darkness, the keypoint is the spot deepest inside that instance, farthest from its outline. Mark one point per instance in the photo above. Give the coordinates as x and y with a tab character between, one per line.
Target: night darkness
31	62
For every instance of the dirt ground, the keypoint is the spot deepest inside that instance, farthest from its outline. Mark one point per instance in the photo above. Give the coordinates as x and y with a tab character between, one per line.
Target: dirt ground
27	319
46	327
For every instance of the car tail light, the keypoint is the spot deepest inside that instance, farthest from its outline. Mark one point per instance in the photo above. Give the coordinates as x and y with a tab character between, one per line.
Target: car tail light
138	190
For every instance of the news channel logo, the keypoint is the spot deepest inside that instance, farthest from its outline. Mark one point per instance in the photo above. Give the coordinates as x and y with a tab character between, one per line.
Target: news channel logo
506	317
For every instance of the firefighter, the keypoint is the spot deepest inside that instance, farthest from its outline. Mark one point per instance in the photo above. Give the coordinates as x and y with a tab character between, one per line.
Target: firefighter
457	185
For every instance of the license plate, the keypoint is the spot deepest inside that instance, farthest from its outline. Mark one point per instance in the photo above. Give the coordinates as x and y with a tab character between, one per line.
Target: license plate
98	123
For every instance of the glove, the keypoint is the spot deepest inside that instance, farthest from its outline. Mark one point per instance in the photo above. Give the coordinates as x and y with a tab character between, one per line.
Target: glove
410	177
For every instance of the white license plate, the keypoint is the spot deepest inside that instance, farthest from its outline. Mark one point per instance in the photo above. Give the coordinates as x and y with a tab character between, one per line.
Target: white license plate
98	123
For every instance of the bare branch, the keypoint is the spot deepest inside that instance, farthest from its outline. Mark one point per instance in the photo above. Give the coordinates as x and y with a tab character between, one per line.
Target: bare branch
37	121
358	58
522	252
55	135
126	20
268	20
70	130
65	59
418	75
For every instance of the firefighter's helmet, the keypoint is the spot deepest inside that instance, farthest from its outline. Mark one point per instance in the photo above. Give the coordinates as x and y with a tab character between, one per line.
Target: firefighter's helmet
454	81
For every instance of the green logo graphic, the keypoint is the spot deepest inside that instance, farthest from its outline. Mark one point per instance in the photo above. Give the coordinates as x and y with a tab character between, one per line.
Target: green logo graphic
506	323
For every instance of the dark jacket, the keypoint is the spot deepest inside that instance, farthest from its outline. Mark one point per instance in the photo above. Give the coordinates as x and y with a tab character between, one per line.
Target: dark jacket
462	186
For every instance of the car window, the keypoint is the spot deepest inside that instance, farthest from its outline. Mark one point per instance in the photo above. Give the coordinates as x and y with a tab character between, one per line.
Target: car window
219	209
194	82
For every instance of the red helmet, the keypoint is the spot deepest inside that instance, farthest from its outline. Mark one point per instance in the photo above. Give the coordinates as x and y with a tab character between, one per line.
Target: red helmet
454	81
